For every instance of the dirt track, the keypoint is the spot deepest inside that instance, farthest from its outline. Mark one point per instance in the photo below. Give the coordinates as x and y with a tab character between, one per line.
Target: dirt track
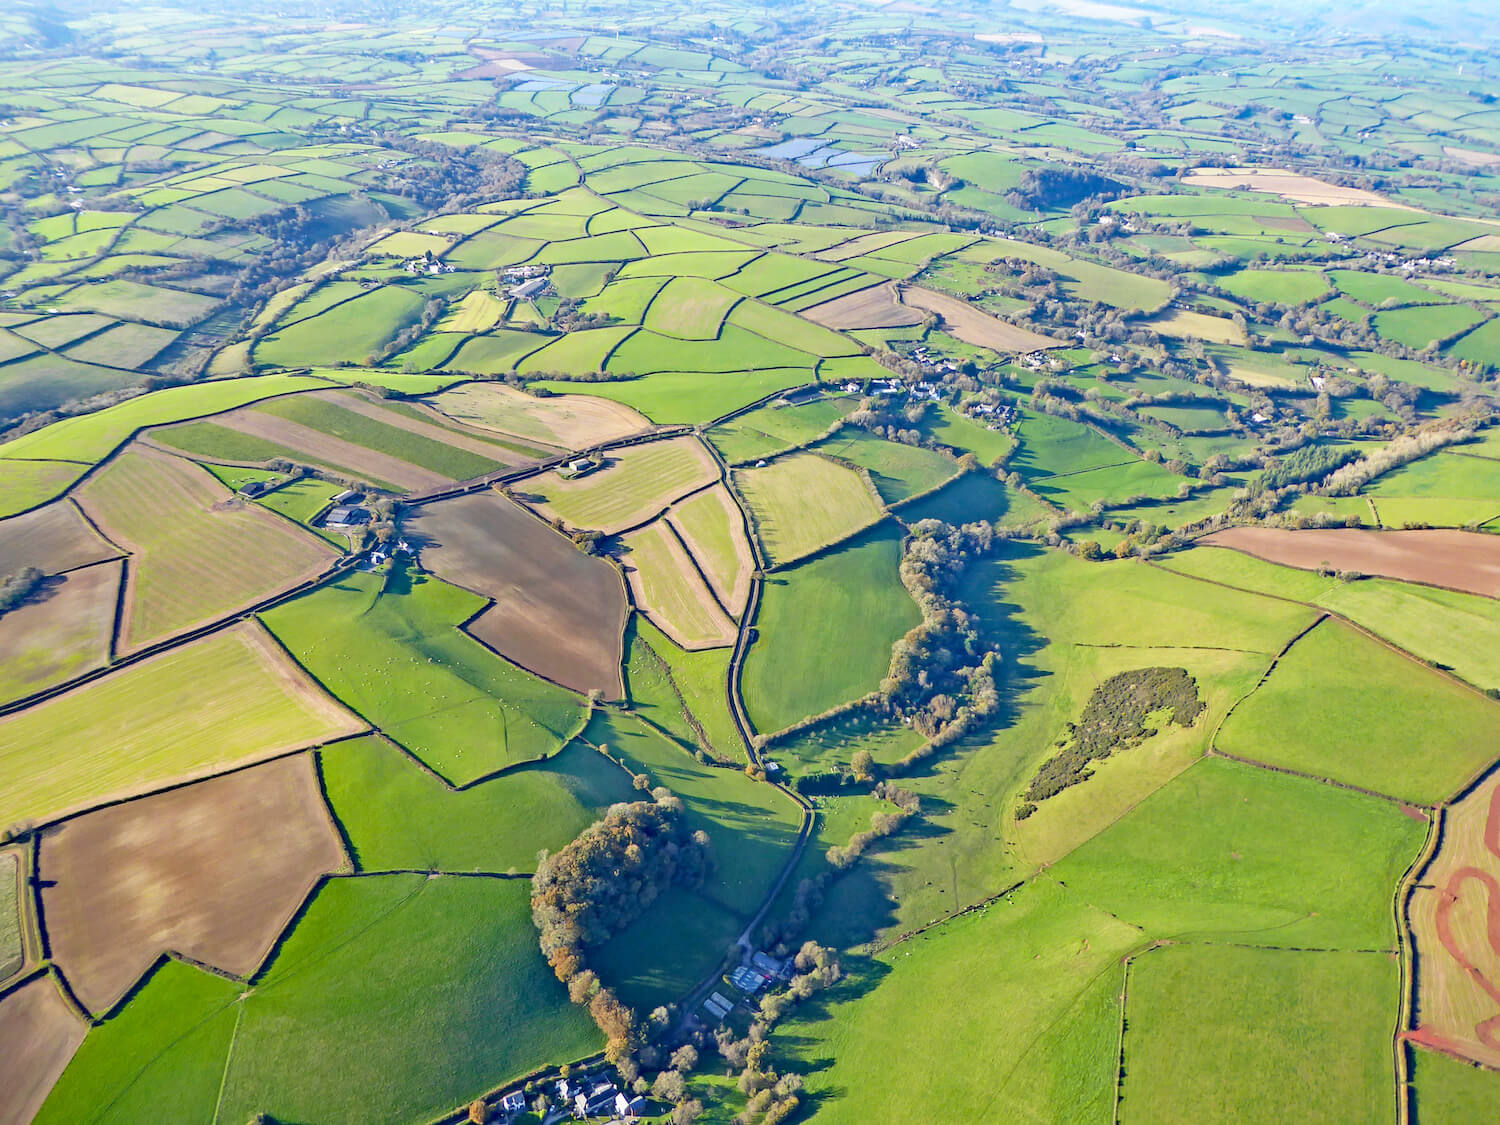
1458	560
213	870
557	611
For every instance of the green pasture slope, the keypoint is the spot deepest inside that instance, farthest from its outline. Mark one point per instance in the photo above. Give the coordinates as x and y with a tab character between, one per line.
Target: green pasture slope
389	646
1226	1033
825	629
398	817
664	680
1340	705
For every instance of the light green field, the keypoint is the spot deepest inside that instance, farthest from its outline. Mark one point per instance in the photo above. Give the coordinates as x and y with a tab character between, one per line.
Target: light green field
398	817
673	397
712	526
1220	1033
1029	985
12	950
1245	854
825	630
964	434
803	502
194	555
635	483
389	646
1051	445
1283	287
88	438
771	429
669	588
1317	711
690	308
347	332
227	699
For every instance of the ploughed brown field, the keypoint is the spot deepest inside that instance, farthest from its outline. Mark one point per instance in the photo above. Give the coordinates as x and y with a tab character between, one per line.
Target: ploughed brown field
875	307
213	870
560	421
52	539
558	612
975	326
1460	560
39	1032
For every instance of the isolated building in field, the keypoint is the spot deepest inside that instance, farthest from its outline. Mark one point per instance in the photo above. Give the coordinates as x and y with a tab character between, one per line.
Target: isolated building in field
527	290
346	516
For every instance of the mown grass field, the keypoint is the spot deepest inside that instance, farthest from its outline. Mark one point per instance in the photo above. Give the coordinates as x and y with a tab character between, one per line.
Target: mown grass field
390	647
1334	688
825	630
398	817
226	699
196	552
802	502
712	526
635	483
1221	1033
12	951
669	588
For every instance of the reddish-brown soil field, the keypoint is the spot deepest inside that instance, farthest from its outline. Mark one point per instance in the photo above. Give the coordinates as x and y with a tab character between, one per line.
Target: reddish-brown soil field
38	1034
1459	560
975	326
875	307
52	539
213	870
60	632
557	611
1455	917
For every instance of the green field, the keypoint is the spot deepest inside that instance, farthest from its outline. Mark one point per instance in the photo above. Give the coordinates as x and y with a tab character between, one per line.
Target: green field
460	708
398	817
633	485
664	680
802	502
1233	1034
379	974
825	630
12	949
1294	721
899	471
1237	853
1450	1092
1029	985
770	429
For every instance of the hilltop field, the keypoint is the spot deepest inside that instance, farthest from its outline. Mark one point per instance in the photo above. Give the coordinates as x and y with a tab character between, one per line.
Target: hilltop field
863	565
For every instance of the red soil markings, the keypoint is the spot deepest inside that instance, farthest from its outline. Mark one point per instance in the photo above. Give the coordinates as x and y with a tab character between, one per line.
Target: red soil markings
1415	813
1492	824
1486	1031
1426	1037
1458	560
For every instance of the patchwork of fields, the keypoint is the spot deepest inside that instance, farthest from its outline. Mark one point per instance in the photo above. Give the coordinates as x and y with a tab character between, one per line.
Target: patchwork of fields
996	515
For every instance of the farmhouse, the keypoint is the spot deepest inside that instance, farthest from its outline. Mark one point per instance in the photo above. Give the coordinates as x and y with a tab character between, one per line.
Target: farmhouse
629	1105
513	1102
596	1101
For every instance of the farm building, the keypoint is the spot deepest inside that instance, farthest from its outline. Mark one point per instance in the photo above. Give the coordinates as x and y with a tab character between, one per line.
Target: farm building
527	290
345	515
747	980
578	467
254	488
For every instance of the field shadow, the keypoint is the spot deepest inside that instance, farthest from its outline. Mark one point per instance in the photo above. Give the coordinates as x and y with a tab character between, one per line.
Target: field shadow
805	1054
